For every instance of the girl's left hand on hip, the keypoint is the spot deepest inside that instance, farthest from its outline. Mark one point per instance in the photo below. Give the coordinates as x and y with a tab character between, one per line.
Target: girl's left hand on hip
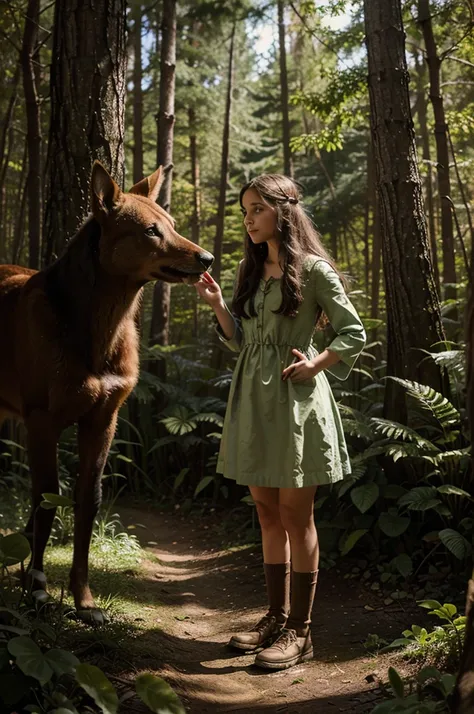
300	370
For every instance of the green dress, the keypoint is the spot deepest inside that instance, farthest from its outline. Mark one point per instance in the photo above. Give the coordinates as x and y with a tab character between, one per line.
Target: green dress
277	433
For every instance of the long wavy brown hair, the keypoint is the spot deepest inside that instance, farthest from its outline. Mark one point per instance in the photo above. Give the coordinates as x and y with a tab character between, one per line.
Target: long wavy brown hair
298	239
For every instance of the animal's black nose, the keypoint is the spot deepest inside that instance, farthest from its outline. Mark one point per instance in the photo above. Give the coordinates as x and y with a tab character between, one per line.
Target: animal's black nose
206	259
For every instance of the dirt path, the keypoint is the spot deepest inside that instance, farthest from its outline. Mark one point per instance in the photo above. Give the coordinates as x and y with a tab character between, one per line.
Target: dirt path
198	593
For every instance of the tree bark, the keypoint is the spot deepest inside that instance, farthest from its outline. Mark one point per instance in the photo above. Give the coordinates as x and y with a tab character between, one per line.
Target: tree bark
6	126
17	244
195	176
463	697
159	331
137	95
219	237
87	110
425	143
33	123
287	159
442	152
413	310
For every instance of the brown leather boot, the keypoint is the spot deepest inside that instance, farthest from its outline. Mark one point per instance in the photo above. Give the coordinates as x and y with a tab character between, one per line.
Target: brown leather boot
294	643
277	577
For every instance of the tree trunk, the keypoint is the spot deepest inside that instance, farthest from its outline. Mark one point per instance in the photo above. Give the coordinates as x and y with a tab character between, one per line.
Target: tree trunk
196	181
413	310
463	698
368	206
159	331
376	262
87	110
137	96
17	244
219	237
33	123
6	126
442	153
195	176
425	143
3	192
287	159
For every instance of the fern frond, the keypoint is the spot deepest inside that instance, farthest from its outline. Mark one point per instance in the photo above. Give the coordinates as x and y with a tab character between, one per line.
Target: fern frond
395	430
430	401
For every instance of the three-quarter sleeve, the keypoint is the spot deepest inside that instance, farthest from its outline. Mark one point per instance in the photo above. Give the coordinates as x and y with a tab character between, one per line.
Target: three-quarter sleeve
233	343
349	335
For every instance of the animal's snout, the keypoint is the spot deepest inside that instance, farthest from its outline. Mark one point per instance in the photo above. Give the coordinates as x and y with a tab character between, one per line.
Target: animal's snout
206	259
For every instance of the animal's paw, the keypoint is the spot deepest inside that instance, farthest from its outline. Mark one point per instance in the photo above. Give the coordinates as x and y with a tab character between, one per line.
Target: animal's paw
92	616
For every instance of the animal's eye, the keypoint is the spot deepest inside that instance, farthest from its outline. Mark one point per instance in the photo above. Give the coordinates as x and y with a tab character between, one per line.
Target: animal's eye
153	232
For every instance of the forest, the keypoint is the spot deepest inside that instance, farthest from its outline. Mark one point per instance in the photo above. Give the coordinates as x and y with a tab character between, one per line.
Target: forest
369	106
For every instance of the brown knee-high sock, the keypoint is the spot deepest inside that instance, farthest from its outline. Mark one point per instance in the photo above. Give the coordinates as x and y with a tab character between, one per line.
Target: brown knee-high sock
303	589
277	578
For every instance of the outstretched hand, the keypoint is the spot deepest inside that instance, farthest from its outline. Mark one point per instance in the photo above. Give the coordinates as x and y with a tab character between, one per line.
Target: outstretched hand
301	370
209	290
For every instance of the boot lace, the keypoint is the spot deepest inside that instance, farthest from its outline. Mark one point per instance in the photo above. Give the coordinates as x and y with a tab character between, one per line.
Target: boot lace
266	624
286	638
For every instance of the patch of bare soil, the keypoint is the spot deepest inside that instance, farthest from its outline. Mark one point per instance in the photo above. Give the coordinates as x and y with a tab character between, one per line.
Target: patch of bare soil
201	593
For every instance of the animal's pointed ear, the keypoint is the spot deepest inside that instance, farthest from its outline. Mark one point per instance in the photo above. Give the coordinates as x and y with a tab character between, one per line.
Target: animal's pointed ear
105	192
150	186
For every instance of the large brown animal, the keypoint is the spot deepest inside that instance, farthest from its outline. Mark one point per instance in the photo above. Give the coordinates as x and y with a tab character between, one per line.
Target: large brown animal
69	350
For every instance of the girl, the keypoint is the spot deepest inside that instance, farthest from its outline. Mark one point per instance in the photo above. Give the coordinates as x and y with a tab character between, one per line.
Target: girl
282	433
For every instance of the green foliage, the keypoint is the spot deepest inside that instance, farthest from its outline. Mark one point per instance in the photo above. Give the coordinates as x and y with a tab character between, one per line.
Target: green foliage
425	503
429	690
426	694
443	644
37	676
158	695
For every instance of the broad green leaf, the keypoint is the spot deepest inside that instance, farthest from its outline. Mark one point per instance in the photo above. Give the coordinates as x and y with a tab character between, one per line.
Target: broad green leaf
158	695
248	499
202	484
61	661
97	686
30	659
403	564
393	491
450	490
393	525
447	682
430	604
420	498
455	543
427	673
180	478
396	682
363	497
14	548
55	499
351	540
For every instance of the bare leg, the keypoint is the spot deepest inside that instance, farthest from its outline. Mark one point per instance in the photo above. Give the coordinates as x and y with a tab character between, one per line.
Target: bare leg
297	517
276	546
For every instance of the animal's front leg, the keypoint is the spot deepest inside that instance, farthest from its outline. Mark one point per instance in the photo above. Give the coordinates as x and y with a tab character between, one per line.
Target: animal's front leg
95	434
42	439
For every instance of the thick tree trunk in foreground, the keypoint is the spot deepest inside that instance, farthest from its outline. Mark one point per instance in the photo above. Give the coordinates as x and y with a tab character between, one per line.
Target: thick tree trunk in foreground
413	310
